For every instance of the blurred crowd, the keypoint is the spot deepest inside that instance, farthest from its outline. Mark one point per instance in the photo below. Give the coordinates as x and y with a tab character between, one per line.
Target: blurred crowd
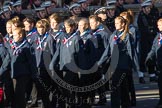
28	4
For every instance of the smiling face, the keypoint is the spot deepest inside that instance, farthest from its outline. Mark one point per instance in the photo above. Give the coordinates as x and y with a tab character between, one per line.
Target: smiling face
93	23
17	34
9	28
54	24
119	25
146	9
68	28
28	26
76	11
41	30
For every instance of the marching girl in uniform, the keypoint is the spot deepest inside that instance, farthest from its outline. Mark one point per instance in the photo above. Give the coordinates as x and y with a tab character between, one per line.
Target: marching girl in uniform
8	36
41	55
65	54
10	26
56	33
20	60
128	15
29	26
121	52
3	53
9	90
155	54
101	41
86	60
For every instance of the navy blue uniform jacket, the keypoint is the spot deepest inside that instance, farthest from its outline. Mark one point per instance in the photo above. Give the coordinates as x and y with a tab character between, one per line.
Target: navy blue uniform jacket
127	59
21	63
156	51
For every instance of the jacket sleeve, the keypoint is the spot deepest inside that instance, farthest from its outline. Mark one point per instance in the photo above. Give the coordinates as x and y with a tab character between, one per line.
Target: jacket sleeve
152	53
133	53
107	53
54	59
6	64
32	61
51	44
105	56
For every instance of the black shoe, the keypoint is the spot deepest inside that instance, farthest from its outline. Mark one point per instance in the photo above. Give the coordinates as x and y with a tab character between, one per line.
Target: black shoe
153	79
142	80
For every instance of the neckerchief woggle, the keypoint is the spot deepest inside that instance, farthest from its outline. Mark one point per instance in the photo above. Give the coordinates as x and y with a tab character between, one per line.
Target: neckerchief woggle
85	32
39	47
66	40
12	43
117	38
57	34
82	36
160	39
98	30
31	32
17	49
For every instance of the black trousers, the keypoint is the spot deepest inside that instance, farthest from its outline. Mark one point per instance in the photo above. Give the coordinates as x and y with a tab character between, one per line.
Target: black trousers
8	88
119	87
131	89
20	85
43	83
145	47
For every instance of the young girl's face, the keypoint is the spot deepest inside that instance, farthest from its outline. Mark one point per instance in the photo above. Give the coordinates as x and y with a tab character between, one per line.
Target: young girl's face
118	25
41	30
54	24
81	26
93	23
17	36
159	24
9	28
28	26
68	28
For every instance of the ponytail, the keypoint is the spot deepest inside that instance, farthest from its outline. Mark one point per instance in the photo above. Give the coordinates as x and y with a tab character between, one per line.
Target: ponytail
126	28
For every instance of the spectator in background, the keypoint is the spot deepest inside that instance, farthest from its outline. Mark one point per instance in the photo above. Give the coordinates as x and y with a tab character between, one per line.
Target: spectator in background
101	13
5	15
17	10
26	4
35	3
47	6
75	9
58	3
40	13
147	27
119	7
110	17
84	6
